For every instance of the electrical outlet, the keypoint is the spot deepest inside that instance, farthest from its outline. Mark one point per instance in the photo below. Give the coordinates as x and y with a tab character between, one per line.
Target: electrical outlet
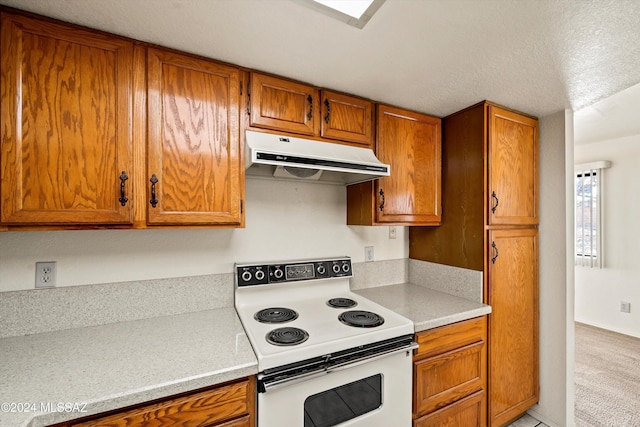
368	253
392	231
625	307
46	274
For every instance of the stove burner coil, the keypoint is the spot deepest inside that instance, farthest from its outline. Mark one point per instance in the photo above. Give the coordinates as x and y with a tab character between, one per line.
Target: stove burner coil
275	315
341	303
361	319
287	336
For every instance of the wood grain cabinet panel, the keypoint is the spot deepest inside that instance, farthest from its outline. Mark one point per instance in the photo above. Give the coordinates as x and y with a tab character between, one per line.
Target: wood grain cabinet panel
445	378
467	412
512	166
226	406
347	118
490	195
284	105
411	143
513	323
66	119
450	365
193	142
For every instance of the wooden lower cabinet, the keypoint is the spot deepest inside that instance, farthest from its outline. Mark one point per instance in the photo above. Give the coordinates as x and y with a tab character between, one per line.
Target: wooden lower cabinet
449	374
513	323
229	405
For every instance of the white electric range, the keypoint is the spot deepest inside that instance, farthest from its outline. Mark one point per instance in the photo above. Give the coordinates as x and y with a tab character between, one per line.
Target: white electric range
326	356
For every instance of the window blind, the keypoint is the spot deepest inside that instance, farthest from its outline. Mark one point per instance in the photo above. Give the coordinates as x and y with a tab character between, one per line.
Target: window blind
589	210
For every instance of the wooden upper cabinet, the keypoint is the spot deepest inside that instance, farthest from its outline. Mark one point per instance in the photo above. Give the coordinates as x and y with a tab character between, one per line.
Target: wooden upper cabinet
66	122
513	323
346	118
284	105
193	141
512	167
410	143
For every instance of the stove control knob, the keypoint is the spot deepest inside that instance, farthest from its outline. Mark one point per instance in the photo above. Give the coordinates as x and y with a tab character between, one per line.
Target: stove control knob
321	270
246	276
336	268
278	273
346	267
259	275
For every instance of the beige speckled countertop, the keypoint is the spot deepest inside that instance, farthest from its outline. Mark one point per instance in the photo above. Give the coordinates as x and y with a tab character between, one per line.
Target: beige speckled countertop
120	364
425	307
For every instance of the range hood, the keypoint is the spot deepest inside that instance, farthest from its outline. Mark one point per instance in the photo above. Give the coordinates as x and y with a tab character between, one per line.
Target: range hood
270	155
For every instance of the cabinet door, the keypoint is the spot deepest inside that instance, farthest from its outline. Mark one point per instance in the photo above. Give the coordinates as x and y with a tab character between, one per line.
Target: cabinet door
66	120
410	143
284	105
513	168
193	148
513	323
346	118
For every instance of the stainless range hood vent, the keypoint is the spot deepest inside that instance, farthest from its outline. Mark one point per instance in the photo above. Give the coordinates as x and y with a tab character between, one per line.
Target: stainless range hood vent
270	155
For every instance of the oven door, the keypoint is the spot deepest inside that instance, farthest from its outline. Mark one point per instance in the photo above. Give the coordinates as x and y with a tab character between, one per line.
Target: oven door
374	392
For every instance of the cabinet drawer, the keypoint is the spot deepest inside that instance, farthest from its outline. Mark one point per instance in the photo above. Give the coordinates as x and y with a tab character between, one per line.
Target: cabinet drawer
450	337
446	378
196	410
239	422
467	412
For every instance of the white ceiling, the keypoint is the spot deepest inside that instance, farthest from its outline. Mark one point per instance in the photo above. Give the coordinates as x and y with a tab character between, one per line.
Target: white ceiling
614	117
434	56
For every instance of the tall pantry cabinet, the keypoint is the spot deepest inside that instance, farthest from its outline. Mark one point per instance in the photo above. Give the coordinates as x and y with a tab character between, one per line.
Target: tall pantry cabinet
490	224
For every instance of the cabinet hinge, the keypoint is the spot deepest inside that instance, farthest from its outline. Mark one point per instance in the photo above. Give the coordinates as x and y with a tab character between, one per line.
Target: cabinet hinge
240	87
241	206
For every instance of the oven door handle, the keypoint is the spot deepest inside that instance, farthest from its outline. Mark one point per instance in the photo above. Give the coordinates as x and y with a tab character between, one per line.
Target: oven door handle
264	387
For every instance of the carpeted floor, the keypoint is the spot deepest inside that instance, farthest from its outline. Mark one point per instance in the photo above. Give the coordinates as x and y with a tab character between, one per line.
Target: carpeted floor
607	378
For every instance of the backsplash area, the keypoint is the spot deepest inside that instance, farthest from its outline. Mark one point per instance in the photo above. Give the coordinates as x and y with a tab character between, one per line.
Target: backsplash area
285	220
459	282
45	310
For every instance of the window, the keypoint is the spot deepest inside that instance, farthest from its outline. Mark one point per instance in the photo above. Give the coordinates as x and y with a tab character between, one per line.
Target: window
588	203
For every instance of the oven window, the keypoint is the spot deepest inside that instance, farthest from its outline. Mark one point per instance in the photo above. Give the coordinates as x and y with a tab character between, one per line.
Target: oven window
343	403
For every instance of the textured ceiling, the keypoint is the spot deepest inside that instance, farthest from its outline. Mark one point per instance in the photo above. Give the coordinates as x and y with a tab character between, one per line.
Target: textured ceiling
435	56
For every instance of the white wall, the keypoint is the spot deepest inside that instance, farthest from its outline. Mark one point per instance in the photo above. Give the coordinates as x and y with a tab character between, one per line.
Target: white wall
600	291
285	220
555	407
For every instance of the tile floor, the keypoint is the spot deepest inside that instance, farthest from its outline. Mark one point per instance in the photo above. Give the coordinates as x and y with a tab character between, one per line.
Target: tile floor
527	421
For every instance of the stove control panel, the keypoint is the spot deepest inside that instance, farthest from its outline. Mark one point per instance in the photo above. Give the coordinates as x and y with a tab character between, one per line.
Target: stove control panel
263	274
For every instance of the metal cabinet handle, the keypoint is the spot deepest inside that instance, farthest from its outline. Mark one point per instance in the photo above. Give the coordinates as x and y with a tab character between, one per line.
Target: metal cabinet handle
382	197
310	100
328	116
494	197
154	181
123	198
495	249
